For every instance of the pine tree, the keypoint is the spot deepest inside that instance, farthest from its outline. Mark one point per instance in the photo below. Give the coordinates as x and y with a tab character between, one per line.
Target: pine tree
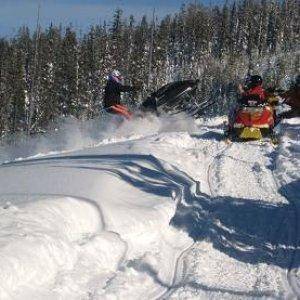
5	51
16	90
50	74
69	74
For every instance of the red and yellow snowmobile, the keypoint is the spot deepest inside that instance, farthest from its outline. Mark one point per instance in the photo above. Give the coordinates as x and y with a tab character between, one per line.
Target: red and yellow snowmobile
252	120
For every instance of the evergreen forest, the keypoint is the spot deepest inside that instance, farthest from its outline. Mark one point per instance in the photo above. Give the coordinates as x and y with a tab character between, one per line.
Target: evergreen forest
59	72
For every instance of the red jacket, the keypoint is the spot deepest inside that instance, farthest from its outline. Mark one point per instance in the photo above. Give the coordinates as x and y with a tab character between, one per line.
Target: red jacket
258	90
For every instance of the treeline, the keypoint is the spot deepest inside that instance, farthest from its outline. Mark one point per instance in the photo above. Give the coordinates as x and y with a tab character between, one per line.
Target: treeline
59	72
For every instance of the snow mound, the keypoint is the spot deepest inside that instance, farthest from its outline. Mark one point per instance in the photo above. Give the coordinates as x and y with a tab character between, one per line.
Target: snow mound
81	225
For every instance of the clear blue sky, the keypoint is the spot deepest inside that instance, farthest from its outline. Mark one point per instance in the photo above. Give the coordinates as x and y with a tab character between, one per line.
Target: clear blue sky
81	13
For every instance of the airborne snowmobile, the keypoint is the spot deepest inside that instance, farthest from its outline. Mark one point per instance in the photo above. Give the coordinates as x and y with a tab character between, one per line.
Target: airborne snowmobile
172	98
176	97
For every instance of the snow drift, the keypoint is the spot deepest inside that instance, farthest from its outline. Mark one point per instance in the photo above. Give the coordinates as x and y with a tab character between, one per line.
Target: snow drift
164	211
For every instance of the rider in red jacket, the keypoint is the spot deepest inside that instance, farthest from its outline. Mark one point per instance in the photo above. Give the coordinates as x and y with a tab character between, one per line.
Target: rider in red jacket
254	89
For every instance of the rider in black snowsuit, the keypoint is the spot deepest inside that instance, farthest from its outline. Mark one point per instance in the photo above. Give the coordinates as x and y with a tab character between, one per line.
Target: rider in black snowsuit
112	95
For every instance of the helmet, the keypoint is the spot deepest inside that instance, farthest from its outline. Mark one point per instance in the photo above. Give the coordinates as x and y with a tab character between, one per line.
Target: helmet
255	80
116	76
116	73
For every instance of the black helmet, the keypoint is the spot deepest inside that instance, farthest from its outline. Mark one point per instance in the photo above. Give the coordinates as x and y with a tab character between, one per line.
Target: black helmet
255	80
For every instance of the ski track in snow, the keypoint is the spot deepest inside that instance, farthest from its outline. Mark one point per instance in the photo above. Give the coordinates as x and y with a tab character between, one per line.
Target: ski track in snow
286	168
221	163
181	269
102	218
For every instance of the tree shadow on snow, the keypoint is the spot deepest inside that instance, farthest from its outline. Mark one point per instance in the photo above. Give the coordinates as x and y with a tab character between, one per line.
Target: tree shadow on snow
248	230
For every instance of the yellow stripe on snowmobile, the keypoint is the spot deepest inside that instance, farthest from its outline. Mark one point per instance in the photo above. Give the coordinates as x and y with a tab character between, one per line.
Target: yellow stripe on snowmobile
250	133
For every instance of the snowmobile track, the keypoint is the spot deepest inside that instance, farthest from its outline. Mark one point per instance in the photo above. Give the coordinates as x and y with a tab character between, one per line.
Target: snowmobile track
292	278
212	163
178	276
179	269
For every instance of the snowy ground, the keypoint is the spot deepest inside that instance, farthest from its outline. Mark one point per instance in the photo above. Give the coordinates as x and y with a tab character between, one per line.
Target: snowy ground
160	209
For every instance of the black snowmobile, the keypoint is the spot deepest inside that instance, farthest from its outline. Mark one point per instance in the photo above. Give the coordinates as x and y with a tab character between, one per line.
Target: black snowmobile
173	98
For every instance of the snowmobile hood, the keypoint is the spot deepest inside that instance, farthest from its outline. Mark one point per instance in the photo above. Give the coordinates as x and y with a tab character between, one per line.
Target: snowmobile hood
169	94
